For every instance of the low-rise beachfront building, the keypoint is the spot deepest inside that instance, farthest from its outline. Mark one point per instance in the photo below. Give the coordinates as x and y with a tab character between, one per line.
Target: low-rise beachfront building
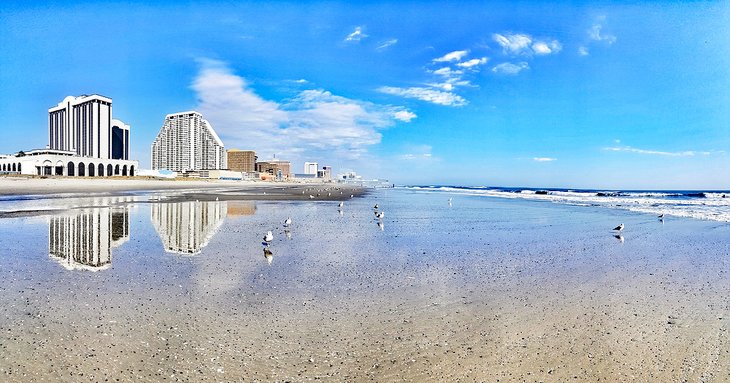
242	160
49	162
278	169
311	168
187	142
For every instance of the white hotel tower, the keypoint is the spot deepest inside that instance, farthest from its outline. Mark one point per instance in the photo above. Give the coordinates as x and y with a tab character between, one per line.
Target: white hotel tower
83	140
187	142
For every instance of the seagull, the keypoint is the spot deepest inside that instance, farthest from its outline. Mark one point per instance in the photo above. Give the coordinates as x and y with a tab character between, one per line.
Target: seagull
287	222
269	237
376	206
352	195
619	227
216	198
661	217
380	215
341	204
311	196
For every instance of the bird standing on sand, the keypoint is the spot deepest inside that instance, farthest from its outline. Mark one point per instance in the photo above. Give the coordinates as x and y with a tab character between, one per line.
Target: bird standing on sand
287	222
269	237
311	196
619	227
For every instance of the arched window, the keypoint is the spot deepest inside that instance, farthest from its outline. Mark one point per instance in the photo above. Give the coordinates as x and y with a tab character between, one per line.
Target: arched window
82	169
109	170
18	166
124	170
71	171
13	167
116	170
91	170
131	171
101	170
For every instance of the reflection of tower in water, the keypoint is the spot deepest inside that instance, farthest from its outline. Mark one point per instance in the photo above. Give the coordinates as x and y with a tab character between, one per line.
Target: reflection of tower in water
84	239
187	227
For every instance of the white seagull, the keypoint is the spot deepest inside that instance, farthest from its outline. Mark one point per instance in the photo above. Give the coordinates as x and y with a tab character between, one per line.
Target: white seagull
380	215
269	236
311	196
376	206
619	227
287	222
341	204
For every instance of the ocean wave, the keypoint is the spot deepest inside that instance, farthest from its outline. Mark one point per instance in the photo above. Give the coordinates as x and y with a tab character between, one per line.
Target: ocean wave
713	205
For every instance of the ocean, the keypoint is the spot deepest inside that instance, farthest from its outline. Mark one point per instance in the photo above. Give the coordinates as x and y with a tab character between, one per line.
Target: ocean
708	205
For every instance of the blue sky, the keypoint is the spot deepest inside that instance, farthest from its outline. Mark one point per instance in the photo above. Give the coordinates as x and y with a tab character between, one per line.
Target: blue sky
583	94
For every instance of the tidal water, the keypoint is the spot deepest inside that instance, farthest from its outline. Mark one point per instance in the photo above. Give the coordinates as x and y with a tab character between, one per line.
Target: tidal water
133	288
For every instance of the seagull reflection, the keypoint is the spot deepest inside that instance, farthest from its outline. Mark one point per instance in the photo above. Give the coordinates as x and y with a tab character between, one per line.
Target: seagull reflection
341	212
619	237
268	255
287	232
381	226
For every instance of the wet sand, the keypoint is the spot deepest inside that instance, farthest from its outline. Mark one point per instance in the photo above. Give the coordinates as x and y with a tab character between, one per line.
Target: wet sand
190	188
484	290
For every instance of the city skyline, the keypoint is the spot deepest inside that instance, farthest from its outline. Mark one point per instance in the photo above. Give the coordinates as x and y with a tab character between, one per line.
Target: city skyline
628	96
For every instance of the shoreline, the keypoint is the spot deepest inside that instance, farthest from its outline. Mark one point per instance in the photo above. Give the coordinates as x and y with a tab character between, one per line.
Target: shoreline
186	188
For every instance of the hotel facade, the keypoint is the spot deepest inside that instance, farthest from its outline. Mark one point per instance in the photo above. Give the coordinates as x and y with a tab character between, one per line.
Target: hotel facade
187	142
83	140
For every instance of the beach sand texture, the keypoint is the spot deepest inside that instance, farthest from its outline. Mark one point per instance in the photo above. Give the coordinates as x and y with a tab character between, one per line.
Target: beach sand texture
484	290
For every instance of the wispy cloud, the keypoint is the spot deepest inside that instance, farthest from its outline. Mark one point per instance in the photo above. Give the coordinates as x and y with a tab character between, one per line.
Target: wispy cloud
356	35
314	120
510	68
595	34
544	159
417	153
472	63
583	51
387	43
629	149
523	44
426	94
453	56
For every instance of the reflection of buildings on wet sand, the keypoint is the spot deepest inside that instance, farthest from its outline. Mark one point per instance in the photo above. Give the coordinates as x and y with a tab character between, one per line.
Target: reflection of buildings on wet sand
83	240
238	208
187	227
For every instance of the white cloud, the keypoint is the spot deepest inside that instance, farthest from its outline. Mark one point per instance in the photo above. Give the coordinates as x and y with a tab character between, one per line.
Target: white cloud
546	47
687	153
404	115
314	120
387	43
453	56
544	159
472	63
417	153
514	43
509	68
426	94
595	34
356	35
448	72
583	51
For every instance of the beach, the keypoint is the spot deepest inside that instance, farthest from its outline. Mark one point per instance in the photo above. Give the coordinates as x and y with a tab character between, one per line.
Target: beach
479	289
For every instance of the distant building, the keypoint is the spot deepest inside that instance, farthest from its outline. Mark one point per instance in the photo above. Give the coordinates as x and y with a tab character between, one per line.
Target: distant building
242	160
281	170
325	173
83	140
187	142
311	168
